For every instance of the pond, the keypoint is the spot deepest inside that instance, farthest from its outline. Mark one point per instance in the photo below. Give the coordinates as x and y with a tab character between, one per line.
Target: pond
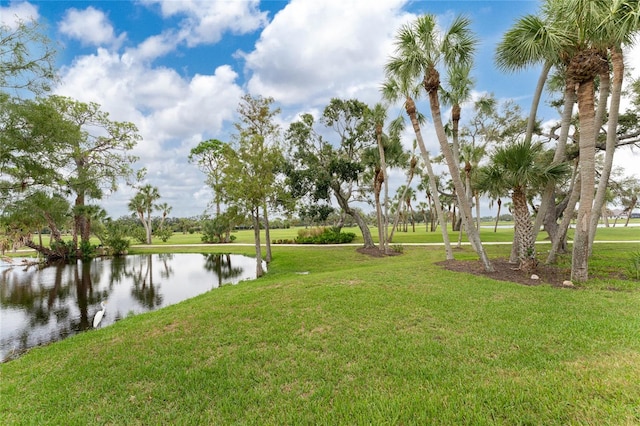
40	305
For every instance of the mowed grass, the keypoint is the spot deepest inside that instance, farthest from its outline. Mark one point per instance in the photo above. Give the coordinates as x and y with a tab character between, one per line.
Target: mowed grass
420	236
330	336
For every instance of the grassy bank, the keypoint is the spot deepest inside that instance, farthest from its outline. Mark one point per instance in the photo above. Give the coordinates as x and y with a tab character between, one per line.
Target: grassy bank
330	336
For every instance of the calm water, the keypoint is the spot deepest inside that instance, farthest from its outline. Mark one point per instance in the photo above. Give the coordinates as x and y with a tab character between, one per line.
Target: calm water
42	305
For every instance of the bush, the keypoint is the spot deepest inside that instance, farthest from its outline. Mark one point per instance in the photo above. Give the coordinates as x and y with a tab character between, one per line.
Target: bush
163	233
324	236
117	238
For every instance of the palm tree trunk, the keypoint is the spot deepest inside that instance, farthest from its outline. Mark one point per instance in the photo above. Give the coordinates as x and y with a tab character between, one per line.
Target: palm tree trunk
604	215
634	201
411	112
377	189
614	111
558	240
548	197
465	209
536	100
524	231
478	219
580	259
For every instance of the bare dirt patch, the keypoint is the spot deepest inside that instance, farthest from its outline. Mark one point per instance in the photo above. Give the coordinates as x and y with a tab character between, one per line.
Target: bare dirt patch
505	271
375	252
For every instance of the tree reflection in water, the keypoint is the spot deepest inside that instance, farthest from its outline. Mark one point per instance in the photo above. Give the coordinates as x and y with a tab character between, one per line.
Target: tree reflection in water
39	305
221	265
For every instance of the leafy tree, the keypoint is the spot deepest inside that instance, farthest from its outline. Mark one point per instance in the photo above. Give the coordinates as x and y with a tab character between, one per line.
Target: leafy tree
320	169
251	168
31	137
27	58
209	156
65	147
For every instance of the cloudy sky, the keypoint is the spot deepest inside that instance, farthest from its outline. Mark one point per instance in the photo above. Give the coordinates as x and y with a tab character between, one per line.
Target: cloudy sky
177	68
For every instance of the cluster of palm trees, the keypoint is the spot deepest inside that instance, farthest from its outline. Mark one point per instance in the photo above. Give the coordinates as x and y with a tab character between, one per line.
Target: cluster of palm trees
582	42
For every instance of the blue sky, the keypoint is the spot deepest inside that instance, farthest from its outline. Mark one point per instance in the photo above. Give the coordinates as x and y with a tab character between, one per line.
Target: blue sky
177	68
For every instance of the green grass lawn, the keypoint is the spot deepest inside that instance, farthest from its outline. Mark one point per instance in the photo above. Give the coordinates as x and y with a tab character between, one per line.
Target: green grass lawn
353	340
505	234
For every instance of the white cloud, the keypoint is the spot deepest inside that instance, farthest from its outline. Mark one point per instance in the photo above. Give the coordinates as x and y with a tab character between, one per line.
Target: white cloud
90	26
154	47
17	11
206	21
172	113
313	51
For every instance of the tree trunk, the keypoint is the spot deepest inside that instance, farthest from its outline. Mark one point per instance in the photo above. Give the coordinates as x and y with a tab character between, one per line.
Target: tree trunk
495	227
384	243
559	240
267	234
548	196
605	216
634	201
255	215
147	227
465	209
362	224
580	260
410	108
524	231
377	189
612	125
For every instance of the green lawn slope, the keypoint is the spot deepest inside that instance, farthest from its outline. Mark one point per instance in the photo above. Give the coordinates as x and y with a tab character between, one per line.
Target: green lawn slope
331	336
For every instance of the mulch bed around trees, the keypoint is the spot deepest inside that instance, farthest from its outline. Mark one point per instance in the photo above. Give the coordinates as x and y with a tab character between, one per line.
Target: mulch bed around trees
505	271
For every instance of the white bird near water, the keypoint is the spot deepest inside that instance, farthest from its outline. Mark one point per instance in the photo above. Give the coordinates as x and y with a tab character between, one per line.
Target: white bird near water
99	315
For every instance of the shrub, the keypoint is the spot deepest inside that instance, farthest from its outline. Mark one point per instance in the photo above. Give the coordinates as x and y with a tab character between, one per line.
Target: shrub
163	233
324	236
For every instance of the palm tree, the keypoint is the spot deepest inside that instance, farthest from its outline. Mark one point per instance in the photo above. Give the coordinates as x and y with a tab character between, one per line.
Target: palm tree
420	49
459	82
142	204
165	209
535	40
620	23
396	87
520	169
582	31
586	60
379	115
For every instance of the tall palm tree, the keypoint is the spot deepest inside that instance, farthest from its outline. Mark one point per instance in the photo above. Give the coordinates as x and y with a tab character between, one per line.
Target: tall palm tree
584	30
520	169
379	115
459	83
420	48
399	86
534	40
388	153
586	59
621	22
